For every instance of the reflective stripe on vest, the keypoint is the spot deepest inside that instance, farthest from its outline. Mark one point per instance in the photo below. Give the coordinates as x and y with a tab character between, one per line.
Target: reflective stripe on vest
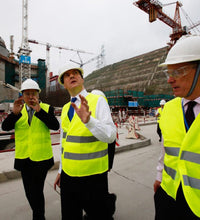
88	156
192	182
173	151
171	172
190	156
78	139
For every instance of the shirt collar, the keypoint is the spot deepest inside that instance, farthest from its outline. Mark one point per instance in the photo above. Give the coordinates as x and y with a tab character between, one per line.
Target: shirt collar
185	101
28	108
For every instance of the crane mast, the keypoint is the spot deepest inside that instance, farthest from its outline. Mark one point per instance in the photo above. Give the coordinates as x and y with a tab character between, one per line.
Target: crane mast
24	50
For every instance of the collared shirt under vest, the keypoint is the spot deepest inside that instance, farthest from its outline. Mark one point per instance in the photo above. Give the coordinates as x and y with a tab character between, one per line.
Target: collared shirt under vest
182	154
32	141
82	153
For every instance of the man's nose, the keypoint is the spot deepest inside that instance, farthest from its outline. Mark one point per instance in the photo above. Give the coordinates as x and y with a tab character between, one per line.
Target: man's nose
71	75
170	79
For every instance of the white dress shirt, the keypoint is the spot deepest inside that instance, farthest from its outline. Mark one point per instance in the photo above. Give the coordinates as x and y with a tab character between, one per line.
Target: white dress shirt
102	127
160	165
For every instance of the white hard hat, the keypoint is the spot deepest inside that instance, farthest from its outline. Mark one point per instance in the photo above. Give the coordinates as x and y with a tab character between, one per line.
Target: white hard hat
30	84
66	68
162	102
186	49
98	92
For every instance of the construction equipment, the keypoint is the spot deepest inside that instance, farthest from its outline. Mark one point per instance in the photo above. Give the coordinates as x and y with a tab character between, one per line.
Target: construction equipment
154	9
24	50
99	58
48	46
7	85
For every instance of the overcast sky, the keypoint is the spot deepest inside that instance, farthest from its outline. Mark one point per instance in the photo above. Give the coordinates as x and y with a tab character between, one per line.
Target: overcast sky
121	27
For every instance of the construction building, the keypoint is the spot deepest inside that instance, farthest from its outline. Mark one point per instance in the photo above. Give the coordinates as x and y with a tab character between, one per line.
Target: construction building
9	73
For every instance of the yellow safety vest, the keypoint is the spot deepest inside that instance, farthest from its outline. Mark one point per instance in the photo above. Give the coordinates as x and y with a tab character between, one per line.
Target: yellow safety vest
32	141
82	153
182	154
160	110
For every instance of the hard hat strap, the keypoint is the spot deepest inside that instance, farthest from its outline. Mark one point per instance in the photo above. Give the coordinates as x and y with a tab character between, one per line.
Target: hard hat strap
194	80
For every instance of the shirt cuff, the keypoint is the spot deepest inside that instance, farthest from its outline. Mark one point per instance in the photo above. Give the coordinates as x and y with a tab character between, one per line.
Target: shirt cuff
91	123
159	176
60	169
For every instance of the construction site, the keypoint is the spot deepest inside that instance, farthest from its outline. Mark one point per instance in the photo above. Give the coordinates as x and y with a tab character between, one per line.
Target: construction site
135	85
136	89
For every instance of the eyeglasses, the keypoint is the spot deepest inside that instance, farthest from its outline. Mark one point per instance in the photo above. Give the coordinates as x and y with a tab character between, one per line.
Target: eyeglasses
180	72
30	93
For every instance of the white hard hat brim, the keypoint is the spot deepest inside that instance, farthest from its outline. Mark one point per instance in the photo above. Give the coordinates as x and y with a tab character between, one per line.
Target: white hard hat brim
177	61
30	84
39	90
186	49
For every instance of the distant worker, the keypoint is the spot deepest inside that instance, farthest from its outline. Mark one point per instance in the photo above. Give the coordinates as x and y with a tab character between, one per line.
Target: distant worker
32	121
83	169
158	115
120	116
177	194
123	115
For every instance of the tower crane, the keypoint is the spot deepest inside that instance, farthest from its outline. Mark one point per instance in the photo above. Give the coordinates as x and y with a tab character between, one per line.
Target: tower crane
154	9
24	50
48	46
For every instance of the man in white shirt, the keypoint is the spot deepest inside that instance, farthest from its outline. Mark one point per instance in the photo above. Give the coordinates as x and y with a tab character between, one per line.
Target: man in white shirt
83	179
177	187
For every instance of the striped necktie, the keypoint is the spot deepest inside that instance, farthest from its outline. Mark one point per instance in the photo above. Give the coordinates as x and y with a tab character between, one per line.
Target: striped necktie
190	113
30	115
71	109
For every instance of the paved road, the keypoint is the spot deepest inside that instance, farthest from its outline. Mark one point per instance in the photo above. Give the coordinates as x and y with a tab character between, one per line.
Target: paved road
131	179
